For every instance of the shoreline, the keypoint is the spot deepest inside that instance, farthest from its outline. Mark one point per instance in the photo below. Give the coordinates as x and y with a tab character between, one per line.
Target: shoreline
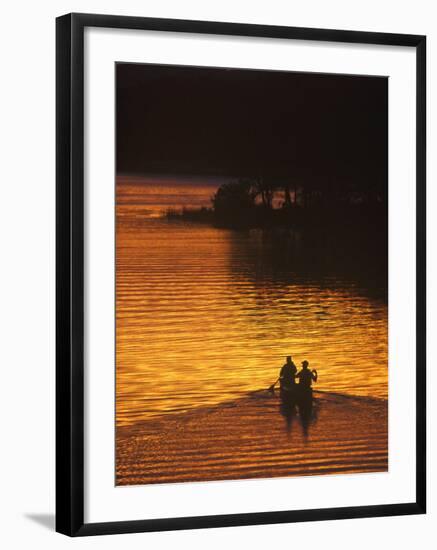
332	216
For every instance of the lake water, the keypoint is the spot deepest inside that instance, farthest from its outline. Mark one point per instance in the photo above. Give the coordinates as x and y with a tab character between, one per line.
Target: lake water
207	315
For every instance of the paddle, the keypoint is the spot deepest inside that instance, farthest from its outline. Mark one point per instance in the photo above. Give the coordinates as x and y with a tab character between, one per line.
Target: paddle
272	387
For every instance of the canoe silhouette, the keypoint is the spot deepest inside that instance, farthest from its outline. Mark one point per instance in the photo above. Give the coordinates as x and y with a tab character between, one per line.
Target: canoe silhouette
296	395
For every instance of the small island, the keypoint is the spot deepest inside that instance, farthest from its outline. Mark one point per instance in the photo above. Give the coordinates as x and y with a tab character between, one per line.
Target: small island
275	202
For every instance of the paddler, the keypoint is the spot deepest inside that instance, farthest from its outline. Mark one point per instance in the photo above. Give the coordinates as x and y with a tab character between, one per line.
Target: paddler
287	375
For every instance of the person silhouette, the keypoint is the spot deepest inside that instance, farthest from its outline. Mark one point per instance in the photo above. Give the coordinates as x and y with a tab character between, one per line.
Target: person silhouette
305	395
287	375
306	377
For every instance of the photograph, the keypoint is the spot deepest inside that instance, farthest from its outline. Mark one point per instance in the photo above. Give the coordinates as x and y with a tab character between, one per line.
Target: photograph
251	274
215	265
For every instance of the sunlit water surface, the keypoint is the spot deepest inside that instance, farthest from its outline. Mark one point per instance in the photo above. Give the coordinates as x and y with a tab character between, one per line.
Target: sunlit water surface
206	315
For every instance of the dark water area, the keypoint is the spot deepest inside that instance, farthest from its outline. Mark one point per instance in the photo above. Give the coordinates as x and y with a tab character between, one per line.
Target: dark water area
326	256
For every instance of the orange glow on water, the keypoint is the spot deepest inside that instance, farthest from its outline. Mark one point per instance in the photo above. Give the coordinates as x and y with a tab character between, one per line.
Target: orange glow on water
202	320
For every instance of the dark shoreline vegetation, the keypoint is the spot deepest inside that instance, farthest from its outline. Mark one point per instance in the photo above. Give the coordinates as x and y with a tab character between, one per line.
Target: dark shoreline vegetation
264	203
335	231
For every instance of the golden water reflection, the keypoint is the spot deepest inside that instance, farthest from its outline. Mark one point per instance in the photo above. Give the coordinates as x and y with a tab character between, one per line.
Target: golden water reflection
203	316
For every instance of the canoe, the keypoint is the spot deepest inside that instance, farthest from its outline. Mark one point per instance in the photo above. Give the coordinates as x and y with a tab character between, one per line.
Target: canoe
296	395
288	394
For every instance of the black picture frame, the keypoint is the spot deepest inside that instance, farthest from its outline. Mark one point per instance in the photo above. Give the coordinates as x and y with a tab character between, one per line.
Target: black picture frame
70	273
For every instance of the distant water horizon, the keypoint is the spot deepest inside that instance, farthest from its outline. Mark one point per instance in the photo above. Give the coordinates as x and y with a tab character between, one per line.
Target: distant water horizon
152	195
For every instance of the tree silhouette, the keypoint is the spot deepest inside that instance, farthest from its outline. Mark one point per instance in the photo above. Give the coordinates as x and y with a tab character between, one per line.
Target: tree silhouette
234	198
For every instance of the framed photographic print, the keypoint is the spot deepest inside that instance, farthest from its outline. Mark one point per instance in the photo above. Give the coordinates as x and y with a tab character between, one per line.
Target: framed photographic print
240	274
